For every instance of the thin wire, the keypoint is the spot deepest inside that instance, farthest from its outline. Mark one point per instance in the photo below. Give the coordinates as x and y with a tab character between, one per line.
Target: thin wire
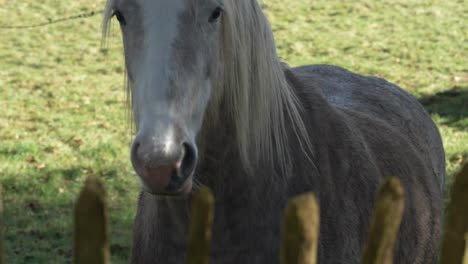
79	16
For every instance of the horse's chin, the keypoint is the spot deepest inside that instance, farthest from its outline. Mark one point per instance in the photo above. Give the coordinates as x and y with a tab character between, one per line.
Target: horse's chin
183	191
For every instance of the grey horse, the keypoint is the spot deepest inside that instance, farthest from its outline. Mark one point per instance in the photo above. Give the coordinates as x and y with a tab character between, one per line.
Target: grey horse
214	106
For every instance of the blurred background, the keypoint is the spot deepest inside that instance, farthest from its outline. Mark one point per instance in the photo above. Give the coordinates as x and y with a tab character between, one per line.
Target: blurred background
63	115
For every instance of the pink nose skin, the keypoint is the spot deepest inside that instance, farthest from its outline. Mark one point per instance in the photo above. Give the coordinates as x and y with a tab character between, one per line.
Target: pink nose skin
158	178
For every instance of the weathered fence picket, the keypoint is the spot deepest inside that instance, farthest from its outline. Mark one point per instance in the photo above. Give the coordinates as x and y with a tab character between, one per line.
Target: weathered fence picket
2	260
201	227
300	227
385	224
91	230
465	261
300	231
456	221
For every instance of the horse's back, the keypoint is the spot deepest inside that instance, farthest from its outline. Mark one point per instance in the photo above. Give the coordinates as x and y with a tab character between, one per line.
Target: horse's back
382	100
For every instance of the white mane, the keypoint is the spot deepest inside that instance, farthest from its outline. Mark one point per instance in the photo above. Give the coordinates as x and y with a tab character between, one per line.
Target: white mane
254	85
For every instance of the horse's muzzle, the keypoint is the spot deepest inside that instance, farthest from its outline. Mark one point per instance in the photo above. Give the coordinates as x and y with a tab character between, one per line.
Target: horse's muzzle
164	169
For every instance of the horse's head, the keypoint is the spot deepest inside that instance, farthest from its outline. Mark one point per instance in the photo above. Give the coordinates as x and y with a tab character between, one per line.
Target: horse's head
171	48
184	58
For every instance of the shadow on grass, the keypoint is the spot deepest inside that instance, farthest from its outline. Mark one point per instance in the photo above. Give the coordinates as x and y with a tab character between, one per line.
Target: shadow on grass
450	105
39	224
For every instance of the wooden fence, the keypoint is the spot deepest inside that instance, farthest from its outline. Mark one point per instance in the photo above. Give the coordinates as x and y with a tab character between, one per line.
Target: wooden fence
300	227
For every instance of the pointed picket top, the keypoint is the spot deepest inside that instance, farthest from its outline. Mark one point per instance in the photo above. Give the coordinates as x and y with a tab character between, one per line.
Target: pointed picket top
456	221
201	227
300	231
91	231
385	224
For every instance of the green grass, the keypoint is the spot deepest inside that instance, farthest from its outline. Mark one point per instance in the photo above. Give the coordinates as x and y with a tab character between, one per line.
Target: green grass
63	113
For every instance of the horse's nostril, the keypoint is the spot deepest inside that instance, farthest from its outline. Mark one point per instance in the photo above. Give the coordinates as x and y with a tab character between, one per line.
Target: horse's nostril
135	147
134	154
189	160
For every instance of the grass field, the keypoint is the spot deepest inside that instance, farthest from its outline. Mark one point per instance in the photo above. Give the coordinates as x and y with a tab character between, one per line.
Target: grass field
63	114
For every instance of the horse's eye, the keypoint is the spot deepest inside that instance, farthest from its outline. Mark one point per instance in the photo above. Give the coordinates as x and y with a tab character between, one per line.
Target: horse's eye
120	17
216	14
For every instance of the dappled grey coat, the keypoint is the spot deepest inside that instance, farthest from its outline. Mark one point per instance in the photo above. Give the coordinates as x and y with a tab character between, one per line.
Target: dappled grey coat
362	130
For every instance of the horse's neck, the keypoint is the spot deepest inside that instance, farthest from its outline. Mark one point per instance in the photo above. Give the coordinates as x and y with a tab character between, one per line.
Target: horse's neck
220	164
219	156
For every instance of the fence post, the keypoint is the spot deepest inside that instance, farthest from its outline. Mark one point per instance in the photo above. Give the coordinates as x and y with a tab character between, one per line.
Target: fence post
2	260
201	227
465	261
91	234
385	224
300	231
456	221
